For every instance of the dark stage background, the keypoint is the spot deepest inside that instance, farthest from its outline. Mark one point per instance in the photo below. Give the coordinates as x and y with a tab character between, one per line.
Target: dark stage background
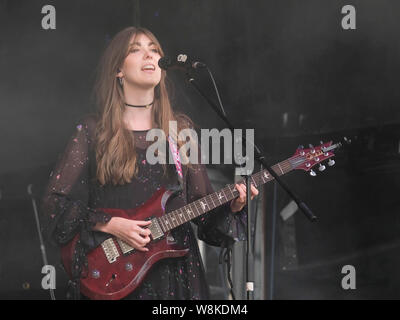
285	68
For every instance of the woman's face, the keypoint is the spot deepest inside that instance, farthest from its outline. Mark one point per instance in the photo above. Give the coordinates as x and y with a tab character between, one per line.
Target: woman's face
140	67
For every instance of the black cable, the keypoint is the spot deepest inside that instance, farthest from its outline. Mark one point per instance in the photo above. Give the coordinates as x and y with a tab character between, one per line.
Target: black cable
216	91
255	221
226	254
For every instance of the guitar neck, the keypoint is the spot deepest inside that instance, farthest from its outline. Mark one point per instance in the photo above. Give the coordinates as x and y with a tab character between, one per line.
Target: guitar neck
203	205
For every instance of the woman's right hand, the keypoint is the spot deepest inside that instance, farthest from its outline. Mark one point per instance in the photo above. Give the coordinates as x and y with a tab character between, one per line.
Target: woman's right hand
130	231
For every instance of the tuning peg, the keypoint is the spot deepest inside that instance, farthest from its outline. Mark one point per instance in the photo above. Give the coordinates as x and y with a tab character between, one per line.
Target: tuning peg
312	173
310	146
331	162
321	167
300	147
348	141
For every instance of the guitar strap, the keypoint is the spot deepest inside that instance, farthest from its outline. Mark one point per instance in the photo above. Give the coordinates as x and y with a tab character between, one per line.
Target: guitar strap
177	159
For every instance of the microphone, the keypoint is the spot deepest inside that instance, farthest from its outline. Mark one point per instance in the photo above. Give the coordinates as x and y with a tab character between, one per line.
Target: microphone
180	61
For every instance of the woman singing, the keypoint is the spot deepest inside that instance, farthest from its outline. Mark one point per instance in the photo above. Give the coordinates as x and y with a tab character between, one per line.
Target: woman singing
104	166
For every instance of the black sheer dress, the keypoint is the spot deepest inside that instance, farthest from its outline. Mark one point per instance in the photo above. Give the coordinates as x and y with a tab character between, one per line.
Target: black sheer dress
73	194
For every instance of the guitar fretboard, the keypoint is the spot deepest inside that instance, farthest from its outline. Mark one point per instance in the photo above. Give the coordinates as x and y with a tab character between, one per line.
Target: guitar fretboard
203	205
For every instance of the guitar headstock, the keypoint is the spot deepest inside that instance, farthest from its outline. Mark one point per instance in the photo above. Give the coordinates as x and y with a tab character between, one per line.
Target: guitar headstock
306	159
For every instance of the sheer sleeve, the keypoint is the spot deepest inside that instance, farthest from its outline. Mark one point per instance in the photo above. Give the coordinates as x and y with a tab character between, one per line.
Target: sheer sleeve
64	206
219	227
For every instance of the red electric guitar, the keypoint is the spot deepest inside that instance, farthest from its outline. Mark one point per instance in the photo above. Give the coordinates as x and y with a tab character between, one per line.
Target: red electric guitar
115	269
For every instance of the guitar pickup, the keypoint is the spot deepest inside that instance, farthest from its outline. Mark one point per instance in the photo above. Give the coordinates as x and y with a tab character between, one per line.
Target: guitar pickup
155	229
125	248
110	250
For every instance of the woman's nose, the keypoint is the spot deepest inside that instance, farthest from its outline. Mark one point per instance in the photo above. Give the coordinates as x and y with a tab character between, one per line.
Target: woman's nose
148	54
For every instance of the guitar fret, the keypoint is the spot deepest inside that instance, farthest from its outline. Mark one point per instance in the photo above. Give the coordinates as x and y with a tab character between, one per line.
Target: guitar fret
219	197
199	208
210	196
188	214
162	224
190	210
182	216
230	197
198	212
204	205
179	217
185	213
173	220
167	222
233	196
255	184
226	197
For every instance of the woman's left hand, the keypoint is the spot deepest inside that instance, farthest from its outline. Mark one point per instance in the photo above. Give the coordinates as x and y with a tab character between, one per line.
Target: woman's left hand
238	203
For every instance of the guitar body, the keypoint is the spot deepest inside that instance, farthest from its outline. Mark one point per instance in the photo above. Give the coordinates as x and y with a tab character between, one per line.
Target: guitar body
119	274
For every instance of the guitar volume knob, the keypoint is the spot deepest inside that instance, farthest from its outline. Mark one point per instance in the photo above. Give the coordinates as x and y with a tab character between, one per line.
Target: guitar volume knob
128	266
95	274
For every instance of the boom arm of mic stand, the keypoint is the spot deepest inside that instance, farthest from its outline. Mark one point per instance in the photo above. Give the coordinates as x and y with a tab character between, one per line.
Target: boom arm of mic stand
302	206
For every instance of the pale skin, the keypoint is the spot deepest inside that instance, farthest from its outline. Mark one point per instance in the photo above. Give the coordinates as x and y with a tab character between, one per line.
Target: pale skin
138	87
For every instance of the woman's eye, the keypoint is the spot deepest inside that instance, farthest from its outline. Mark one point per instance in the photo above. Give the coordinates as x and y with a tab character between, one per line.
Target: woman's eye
154	50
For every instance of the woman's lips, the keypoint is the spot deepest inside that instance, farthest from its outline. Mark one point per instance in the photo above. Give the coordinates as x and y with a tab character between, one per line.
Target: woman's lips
149	68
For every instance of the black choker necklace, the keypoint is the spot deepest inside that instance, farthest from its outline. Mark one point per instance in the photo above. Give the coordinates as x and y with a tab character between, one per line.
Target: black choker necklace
146	106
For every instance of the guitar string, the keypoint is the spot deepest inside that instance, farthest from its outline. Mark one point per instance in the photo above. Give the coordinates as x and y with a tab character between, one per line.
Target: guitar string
175	215
285	167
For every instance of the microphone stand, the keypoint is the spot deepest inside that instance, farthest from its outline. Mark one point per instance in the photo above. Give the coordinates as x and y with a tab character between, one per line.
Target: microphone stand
42	246
261	159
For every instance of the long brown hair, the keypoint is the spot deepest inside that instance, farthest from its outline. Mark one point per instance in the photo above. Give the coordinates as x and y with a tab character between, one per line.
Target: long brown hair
115	150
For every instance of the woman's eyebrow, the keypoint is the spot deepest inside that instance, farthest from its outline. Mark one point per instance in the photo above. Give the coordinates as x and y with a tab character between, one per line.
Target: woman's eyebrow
139	44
